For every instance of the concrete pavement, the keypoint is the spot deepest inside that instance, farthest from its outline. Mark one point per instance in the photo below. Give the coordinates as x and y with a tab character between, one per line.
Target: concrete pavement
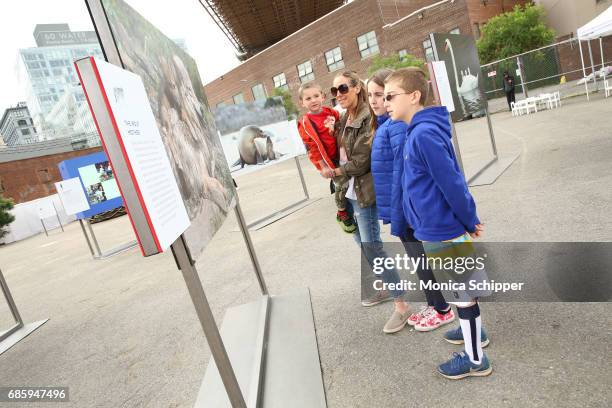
123	332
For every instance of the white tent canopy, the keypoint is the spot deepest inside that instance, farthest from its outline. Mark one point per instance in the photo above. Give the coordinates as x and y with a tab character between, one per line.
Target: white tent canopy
600	26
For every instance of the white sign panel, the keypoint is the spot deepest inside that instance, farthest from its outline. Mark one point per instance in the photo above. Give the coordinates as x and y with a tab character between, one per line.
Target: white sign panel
443	85
518	72
492	74
45	209
144	153
72	195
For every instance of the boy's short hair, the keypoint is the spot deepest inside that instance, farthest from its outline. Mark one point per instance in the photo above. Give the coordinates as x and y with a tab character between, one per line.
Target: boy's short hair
411	79
308	85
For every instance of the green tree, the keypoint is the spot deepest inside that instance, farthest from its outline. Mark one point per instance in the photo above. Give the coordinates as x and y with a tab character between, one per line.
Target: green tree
6	204
394	61
514	32
290	108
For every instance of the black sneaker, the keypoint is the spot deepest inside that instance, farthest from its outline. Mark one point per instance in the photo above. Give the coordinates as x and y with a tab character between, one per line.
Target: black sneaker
346	223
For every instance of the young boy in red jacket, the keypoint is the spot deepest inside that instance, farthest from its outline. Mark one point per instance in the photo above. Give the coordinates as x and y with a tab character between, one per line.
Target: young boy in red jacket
316	129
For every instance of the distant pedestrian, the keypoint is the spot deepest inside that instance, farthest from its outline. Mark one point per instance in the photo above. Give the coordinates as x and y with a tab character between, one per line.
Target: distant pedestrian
509	89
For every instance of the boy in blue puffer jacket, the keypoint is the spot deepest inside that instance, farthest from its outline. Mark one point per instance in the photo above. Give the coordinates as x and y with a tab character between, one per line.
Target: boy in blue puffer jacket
387	145
437	203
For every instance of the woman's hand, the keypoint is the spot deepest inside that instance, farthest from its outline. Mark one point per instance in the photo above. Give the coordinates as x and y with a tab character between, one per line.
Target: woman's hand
478	232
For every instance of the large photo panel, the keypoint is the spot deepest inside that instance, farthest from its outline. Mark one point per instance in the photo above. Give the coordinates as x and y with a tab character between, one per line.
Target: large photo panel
463	68
185	122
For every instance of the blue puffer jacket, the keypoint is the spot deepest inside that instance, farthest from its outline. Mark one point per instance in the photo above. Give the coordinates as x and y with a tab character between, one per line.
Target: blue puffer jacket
387	163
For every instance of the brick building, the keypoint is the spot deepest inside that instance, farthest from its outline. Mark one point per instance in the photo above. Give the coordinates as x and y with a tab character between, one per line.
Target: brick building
29	172
348	37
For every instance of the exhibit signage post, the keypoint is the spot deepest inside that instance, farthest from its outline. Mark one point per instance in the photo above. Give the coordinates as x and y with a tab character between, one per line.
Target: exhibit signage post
19	330
131	139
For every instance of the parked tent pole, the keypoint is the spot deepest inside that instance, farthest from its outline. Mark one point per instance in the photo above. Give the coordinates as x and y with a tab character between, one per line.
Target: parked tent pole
586	86
592	64
603	66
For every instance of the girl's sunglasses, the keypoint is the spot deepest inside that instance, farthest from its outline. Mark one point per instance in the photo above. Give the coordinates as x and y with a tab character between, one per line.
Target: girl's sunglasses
342	90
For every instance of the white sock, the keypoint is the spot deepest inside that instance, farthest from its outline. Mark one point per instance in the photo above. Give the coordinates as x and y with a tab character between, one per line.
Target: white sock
473	348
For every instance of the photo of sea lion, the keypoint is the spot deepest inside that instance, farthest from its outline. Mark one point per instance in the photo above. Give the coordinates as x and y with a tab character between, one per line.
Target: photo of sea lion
257	134
255	146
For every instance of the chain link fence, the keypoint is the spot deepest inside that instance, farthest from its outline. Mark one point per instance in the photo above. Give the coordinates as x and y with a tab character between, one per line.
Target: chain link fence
556	67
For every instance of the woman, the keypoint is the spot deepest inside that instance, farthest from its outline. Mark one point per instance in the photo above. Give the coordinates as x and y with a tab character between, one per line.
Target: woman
353	135
387	148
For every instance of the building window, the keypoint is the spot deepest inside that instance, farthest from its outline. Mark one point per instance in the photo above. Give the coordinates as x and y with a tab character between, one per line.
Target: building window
455	31
220	105
305	71
25	132
403	54
22	122
368	45
280	81
333	58
429	55
259	92
238	98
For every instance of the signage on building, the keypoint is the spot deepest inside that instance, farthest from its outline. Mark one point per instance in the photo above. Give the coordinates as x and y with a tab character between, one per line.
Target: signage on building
53	38
492	74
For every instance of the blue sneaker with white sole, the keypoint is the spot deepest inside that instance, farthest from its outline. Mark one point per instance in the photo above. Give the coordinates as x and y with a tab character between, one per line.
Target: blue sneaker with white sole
460	367
455	336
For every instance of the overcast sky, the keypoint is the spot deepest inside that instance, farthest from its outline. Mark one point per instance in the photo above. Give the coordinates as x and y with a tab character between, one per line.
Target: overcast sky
185	19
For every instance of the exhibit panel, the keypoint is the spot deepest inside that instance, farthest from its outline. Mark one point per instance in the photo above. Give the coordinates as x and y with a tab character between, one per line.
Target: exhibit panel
97	182
184	120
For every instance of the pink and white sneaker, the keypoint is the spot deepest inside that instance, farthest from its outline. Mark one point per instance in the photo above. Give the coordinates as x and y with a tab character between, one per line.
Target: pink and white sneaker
434	320
425	311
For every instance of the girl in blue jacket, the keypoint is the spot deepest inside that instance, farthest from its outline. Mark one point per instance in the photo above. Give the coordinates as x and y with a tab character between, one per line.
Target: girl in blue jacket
387	146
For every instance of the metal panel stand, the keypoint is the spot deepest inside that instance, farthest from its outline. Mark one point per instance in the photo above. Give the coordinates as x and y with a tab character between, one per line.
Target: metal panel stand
19	331
98	254
290	209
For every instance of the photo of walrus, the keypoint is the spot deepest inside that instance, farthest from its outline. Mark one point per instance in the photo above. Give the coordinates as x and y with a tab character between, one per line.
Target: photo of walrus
186	125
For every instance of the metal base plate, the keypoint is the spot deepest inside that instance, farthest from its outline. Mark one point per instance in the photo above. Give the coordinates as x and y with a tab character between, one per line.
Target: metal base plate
492	172
20	335
292	373
117	250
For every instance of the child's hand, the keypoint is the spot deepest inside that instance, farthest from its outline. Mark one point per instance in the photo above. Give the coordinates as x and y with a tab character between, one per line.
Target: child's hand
326	172
478	232
330	123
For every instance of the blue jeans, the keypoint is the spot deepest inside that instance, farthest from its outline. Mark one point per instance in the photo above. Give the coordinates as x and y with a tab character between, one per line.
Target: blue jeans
368	232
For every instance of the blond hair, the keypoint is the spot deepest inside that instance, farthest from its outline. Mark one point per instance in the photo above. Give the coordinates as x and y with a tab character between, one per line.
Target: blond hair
308	85
411	79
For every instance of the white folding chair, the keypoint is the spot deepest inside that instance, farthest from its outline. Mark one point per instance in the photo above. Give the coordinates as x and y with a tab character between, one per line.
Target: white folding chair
531	104
556	99
514	108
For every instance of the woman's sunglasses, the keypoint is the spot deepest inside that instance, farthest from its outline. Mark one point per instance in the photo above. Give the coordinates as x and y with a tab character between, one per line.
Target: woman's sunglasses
342	90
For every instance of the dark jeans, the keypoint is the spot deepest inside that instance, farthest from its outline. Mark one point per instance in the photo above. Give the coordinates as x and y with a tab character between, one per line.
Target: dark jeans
510	97
414	249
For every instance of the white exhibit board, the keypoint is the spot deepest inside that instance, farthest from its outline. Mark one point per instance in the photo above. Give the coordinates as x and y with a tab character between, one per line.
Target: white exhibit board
45	209
142	151
443	85
72	195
